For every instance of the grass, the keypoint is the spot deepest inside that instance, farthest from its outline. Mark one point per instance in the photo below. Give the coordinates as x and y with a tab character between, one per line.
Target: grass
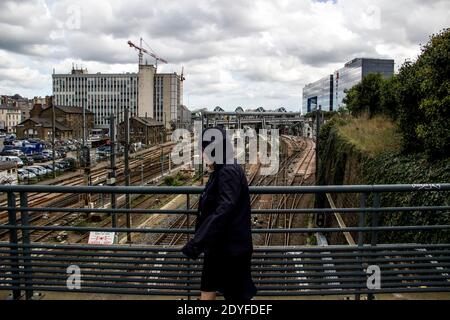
176	180
370	135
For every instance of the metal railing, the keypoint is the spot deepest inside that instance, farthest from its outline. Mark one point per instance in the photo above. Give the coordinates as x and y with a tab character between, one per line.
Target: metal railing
141	269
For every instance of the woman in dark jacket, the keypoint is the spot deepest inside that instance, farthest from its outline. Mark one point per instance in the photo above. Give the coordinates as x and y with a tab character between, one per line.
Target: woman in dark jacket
223	231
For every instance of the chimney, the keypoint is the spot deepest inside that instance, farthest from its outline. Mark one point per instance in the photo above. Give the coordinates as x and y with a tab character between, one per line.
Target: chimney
36	111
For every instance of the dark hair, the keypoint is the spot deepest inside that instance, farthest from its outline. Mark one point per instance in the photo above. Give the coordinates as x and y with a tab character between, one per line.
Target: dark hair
225	143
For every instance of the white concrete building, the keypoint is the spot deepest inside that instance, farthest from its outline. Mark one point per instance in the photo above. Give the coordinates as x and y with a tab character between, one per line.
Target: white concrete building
146	94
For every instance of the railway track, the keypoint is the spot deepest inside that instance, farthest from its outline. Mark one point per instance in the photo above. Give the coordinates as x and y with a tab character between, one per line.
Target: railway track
151	168
304	170
181	221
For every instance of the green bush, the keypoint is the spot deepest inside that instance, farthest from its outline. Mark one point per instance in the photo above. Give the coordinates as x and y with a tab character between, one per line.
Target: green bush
175	181
418	97
392	168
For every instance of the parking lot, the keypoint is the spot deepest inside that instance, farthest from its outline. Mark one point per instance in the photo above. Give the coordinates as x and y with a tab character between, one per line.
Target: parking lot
34	158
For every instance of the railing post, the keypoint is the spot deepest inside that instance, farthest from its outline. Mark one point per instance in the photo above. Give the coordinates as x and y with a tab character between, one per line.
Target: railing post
374	234
375	218
188	207
361	224
12	221
26	250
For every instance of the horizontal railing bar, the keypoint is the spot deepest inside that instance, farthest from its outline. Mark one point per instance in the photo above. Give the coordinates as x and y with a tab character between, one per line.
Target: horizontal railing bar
254	256
188	262
303	292
253	190
187	287
256	281
263	249
254	267
254	211
351	292
191	231
308	275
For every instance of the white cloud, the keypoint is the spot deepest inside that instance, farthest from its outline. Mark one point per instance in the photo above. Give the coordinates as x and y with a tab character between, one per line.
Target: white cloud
248	53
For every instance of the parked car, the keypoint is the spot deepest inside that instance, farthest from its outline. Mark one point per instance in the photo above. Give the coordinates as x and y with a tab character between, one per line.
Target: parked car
17	160
48	154
28	161
62	153
66	165
50	167
39	158
25	175
12	152
36	171
60	166
45	170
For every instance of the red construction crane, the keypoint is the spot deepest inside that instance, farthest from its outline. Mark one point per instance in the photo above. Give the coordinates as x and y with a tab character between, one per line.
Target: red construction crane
142	51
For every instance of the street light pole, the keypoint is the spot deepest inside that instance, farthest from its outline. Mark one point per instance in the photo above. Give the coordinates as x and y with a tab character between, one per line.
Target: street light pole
318	114
53	140
112	172
84	122
162	155
127	168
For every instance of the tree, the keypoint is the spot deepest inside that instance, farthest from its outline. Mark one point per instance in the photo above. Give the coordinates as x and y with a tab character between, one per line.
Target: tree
365	96
424	98
388	97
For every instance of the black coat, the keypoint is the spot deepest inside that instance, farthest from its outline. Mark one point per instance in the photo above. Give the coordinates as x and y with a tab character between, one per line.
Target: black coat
223	233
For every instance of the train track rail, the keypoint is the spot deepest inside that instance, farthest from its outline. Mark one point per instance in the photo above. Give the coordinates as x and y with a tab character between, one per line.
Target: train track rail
151	168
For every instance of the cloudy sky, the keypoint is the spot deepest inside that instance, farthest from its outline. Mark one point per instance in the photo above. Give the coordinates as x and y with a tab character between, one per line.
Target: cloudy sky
246	53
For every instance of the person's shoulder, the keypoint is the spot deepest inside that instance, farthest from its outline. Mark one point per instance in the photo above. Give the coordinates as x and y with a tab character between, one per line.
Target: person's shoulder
233	169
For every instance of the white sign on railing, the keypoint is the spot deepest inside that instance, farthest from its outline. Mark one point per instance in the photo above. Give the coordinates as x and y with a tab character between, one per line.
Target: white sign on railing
101	238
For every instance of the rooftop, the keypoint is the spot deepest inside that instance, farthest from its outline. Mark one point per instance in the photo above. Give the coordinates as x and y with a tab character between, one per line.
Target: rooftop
148	121
46	123
71	109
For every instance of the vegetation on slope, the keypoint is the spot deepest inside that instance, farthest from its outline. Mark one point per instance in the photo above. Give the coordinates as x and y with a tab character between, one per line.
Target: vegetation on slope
362	150
417	98
370	135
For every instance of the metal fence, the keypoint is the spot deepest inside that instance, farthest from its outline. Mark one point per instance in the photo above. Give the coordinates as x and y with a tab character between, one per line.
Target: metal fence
140	269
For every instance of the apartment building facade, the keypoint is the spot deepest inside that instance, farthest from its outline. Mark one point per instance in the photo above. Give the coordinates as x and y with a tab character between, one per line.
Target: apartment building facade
10	117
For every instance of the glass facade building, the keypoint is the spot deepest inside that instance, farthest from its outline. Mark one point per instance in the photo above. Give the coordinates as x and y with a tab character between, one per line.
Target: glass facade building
343	79
318	93
354	71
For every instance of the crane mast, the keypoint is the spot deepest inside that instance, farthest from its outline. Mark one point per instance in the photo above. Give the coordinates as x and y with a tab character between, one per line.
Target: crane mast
141	52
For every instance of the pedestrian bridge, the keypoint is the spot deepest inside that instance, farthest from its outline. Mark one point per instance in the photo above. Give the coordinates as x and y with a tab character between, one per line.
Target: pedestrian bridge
365	268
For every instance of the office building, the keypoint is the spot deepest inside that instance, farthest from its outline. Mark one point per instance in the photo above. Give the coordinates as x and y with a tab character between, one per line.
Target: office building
318	93
329	92
146	94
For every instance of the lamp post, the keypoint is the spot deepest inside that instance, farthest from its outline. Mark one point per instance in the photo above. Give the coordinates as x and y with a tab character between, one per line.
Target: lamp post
162	154
318	113
112	170
53	140
127	168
